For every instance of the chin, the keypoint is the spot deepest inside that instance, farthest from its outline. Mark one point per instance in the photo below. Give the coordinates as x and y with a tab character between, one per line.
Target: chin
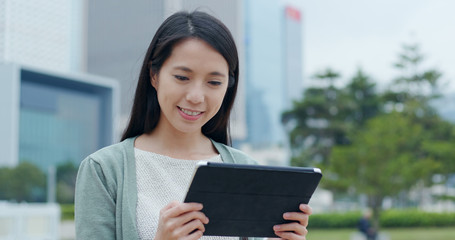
189	130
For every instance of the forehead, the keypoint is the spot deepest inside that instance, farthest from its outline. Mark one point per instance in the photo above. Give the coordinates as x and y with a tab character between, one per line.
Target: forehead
195	54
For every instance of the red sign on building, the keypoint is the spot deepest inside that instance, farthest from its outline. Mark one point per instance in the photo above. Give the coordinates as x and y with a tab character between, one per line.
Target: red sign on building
293	13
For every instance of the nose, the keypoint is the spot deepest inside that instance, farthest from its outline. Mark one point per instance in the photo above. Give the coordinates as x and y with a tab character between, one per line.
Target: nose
195	94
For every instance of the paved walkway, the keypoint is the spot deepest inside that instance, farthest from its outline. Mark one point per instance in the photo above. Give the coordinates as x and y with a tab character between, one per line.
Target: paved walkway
67	230
359	236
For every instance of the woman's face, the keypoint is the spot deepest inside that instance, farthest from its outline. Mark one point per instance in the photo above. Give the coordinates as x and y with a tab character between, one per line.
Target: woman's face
190	86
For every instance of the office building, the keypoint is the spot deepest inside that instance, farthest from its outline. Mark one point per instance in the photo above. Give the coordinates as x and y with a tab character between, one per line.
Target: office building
274	68
118	35
53	112
44	34
53	118
292	58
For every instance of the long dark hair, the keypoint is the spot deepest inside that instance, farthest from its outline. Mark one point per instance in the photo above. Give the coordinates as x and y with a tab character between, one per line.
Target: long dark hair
145	113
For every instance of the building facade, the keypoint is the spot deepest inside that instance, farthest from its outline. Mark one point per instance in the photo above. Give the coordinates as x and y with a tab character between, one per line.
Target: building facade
118	35
110	38
273	45
44	34
54	112
292	54
54	118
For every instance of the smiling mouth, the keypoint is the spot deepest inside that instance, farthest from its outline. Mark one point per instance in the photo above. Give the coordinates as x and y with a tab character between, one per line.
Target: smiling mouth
188	112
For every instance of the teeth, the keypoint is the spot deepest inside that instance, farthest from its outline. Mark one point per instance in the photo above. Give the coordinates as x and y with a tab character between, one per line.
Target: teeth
190	112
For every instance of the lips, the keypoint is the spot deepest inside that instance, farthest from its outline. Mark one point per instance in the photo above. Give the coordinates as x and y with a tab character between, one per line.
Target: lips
190	114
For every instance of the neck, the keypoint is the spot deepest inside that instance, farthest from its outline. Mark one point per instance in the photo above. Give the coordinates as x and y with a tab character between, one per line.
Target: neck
177	144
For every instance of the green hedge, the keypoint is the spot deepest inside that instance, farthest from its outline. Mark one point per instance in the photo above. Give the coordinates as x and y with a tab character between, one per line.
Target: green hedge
335	220
67	211
415	218
388	219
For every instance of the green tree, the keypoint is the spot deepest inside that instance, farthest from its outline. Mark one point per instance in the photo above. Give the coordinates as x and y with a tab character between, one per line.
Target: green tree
412	93
5	175
384	158
311	135
414	88
323	117
441	146
365	101
25	182
402	148
377	144
66	182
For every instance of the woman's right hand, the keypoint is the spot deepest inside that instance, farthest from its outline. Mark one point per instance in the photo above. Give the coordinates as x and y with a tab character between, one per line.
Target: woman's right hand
181	221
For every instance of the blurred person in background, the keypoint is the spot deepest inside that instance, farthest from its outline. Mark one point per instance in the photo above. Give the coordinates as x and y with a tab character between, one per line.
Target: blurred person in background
180	115
365	226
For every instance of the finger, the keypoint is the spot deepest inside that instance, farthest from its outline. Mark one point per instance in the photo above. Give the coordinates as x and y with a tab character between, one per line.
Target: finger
305	208
290	236
182	208
187	217
170	205
297	216
165	210
190	227
193	236
291	227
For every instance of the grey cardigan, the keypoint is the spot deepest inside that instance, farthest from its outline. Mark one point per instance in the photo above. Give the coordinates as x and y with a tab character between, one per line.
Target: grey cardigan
106	191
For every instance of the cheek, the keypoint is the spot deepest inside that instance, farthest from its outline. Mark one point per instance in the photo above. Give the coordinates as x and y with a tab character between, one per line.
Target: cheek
163	101
163	95
218	99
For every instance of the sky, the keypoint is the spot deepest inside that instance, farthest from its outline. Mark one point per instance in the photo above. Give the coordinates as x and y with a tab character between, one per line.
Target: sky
348	34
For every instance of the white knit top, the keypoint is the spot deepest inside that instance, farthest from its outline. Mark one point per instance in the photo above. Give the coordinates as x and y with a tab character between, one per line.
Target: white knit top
160	180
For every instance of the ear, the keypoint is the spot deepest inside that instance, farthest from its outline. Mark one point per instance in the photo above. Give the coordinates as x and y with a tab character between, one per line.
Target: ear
153	79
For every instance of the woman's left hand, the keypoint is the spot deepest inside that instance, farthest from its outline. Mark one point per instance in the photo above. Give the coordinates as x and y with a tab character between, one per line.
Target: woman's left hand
297	229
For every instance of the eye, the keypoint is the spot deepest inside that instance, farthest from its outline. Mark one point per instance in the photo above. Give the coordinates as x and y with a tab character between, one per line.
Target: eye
181	78
215	83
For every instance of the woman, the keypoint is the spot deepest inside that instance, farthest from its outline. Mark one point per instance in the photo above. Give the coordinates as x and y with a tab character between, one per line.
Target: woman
186	89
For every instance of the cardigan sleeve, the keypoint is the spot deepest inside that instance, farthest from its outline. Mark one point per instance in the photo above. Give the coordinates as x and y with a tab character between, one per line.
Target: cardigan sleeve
94	203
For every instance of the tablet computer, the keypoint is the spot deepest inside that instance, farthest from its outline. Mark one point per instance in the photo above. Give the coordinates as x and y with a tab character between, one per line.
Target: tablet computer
248	200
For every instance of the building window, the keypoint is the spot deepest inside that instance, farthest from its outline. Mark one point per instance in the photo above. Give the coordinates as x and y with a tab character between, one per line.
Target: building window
57	124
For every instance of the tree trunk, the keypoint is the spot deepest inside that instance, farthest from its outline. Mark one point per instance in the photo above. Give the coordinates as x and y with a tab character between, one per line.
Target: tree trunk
375	203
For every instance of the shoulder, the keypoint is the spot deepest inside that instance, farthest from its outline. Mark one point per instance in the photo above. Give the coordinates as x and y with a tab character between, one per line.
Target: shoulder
112	156
232	155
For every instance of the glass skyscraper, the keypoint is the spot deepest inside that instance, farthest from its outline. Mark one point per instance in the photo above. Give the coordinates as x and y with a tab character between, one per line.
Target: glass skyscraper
292	54
273	68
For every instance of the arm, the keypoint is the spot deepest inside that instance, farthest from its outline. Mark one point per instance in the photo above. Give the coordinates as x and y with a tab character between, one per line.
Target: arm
94	203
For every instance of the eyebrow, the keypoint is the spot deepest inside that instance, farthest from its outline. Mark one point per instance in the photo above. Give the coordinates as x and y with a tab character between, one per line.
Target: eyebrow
185	69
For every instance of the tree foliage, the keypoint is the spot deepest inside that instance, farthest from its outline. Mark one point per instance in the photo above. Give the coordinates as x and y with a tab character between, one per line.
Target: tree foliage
377	144
385	158
66	182
326	114
25	182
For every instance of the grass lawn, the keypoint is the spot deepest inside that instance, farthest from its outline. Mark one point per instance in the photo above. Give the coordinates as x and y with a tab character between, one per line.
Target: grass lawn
394	234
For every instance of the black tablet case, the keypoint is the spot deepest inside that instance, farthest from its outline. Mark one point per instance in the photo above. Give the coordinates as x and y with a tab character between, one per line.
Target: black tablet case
248	200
